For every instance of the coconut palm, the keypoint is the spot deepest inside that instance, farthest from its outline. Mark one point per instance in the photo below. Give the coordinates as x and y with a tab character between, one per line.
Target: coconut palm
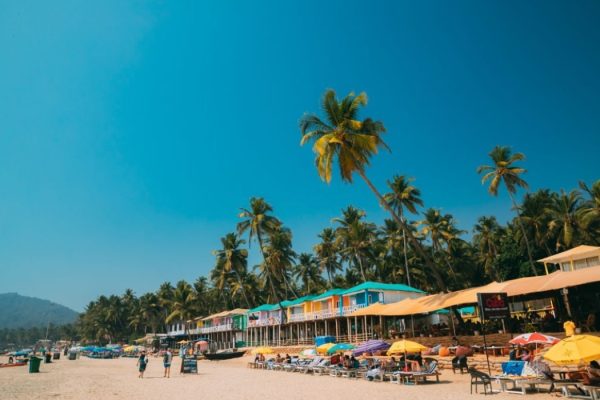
536	219
327	254
355	239
486	238
257	221
403	196
182	304
307	271
278	262
590	210
342	137
565	219
505	171
232	260
440	230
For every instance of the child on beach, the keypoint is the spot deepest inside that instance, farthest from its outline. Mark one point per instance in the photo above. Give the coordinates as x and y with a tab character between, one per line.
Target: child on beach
142	362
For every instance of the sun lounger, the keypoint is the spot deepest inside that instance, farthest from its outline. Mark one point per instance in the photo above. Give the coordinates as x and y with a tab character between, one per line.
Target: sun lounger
416	376
322	368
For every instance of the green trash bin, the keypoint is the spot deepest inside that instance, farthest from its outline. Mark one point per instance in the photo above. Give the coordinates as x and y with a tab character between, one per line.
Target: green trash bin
34	364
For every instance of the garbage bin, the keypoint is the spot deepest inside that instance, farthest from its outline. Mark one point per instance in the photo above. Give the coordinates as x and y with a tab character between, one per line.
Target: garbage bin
34	364
48	358
56	356
72	355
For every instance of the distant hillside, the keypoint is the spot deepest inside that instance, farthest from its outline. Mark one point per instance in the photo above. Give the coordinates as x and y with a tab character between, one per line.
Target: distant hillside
18	311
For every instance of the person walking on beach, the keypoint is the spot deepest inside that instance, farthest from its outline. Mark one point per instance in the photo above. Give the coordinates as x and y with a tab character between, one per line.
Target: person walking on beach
142	362
167	358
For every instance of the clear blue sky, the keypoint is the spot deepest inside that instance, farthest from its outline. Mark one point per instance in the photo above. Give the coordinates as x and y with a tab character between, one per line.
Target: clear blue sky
132	132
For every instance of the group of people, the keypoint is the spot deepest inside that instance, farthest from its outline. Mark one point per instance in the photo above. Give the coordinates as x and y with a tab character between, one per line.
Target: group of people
143	360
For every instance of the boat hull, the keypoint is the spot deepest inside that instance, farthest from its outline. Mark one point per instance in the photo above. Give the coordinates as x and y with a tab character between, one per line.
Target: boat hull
224	356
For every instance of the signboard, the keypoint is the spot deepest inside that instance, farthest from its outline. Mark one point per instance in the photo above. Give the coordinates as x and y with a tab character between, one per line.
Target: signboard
190	365
493	305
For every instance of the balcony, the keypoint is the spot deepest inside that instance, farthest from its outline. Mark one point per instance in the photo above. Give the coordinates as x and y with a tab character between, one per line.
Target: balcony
216	328
263	322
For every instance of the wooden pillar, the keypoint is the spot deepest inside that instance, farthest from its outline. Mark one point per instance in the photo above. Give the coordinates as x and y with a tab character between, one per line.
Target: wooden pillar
381	327
326	322
315	332
337	329
349	329
365	331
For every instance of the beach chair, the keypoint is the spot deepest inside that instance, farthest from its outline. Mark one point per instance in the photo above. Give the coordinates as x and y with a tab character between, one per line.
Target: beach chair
322	367
416	376
309	367
480	378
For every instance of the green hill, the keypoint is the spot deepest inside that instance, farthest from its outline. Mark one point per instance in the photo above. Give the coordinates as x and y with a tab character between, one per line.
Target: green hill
18	311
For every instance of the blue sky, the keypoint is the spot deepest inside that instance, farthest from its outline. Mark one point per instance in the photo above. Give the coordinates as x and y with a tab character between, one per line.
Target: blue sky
132	132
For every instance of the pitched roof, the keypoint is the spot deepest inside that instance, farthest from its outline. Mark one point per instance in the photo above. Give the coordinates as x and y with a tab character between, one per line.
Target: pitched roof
576	253
263	307
329	293
399	287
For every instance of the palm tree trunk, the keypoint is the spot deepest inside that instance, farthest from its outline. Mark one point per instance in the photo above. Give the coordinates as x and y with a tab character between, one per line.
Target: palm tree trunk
239	278
416	245
360	266
524	234
405	251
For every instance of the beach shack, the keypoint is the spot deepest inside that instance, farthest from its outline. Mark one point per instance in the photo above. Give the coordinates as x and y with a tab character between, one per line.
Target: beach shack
576	258
226	329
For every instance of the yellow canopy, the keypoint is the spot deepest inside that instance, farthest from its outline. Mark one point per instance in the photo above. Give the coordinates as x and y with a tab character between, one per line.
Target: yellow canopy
575	350
263	350
405	346
182	342
322	349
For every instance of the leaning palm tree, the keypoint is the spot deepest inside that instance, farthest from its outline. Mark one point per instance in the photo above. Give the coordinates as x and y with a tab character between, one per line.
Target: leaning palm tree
342	137
404	196
505	171
257	222
277	265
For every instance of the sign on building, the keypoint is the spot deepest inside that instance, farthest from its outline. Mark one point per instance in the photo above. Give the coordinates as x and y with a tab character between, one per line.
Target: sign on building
493	305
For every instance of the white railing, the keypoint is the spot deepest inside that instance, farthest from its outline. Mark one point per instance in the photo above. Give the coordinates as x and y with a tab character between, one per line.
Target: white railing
264	322
216	328
299	317
350	309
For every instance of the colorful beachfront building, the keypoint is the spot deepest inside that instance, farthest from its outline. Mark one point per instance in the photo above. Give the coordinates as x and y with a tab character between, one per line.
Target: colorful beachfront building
223	330
299	321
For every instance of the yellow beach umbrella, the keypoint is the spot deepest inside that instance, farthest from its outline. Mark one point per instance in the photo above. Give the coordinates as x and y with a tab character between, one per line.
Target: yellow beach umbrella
322	349
182	342
575	350
263	350
405	346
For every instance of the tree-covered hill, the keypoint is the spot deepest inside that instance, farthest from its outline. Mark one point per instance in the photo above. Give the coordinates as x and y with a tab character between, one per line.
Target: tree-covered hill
18	311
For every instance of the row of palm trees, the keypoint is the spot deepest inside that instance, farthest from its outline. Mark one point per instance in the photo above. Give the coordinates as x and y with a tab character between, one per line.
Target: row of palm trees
424	248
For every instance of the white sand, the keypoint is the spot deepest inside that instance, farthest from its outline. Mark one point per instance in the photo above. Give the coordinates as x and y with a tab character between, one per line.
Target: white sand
90	379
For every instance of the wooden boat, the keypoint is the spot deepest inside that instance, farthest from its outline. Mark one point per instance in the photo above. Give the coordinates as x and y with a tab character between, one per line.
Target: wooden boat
225	355
19	364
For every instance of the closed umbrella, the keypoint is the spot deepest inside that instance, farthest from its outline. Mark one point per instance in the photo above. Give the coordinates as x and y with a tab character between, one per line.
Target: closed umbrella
575	349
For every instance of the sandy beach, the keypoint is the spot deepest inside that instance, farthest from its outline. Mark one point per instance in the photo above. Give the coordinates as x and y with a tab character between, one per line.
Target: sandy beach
93	379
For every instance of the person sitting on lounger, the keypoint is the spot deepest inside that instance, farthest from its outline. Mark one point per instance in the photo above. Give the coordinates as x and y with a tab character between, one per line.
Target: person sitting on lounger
593	374
288	359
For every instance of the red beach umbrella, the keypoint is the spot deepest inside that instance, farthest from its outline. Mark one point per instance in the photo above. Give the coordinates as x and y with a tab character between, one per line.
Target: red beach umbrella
534	338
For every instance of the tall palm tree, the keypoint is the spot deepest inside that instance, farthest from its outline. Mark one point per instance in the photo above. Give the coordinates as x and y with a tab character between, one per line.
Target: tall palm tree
183	304
233	260
536	219
505	171
257	222
165	297
487	238
150	311
565	218
327	254
355	239
440	229
352	142
590	210
307	271
403	196
278	262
